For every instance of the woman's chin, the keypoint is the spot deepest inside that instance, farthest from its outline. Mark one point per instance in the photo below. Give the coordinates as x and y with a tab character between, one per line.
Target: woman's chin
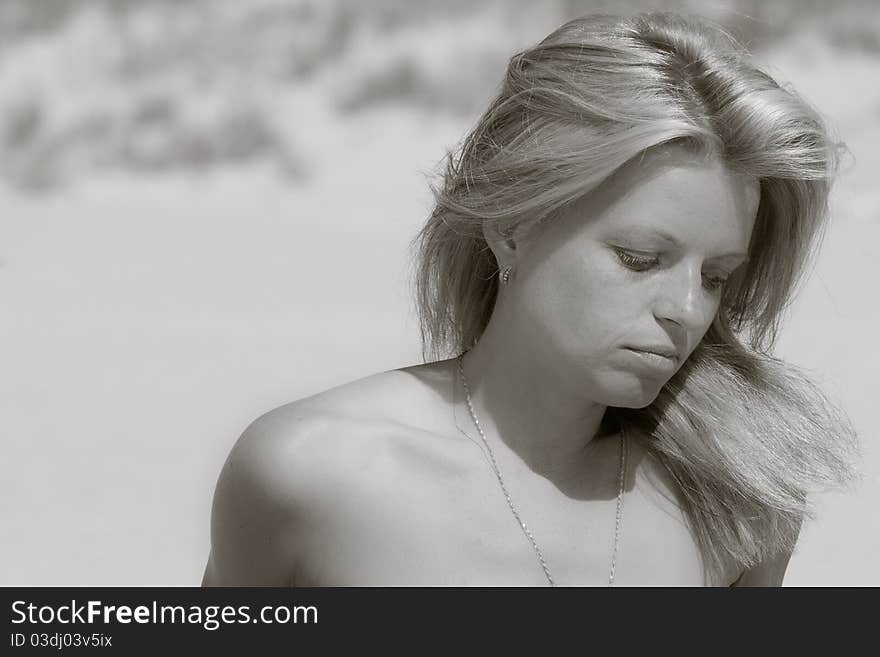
638	394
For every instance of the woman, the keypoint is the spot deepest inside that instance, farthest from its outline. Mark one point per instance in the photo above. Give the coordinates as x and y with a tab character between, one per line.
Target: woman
609	257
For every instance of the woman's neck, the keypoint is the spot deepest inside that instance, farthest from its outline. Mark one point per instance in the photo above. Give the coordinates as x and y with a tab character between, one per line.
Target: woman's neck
527	406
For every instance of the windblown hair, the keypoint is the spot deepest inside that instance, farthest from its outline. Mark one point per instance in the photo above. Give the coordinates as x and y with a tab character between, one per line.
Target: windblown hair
746	436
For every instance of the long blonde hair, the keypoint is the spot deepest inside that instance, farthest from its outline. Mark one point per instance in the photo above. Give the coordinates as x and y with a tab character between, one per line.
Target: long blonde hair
746	436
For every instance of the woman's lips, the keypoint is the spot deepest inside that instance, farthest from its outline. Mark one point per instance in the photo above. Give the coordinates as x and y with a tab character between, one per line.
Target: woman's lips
653	361
660	350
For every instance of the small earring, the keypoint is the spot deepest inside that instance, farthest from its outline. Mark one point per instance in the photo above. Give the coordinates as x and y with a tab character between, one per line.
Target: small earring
505	274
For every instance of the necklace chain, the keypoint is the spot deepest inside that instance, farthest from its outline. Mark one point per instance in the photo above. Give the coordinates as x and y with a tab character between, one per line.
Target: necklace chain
529	535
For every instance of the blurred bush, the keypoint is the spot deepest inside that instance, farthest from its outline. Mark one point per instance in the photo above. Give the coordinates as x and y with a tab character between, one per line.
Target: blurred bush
158	85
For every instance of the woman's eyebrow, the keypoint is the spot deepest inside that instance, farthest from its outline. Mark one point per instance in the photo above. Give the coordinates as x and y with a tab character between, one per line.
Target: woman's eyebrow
642	232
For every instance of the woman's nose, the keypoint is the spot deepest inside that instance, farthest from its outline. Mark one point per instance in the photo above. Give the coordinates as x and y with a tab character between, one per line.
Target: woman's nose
683	299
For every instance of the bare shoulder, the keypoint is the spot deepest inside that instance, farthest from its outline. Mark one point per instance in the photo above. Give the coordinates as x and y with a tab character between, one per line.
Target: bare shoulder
402	395
260	500
291	466
335	427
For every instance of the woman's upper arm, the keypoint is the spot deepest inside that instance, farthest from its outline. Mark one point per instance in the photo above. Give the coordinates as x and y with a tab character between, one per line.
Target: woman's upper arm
257	508
770	572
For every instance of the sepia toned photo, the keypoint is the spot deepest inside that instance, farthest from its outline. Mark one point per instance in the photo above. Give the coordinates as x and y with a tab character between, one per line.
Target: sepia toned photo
465	294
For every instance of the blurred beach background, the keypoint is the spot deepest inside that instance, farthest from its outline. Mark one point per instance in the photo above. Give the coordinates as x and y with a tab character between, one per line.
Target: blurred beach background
205	213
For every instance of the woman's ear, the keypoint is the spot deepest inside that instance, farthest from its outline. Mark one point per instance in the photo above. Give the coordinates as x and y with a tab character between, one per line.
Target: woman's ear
503	246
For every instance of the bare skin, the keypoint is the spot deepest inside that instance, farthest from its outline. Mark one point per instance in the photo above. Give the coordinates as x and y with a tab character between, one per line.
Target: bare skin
407	496
384	481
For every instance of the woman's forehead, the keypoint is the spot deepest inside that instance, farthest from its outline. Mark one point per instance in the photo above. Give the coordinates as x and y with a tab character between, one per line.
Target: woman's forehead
680	193
671	183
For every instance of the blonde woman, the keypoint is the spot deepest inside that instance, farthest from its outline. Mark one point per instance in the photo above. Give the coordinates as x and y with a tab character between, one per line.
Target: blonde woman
607	263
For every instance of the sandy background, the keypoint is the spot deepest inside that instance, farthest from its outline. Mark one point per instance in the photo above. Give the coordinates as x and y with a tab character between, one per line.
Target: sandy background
205	213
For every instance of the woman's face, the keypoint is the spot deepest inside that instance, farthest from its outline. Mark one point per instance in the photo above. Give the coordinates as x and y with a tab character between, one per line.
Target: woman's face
637	265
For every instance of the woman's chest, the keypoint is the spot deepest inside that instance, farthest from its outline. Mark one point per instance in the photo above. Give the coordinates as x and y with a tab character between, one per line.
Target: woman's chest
408	527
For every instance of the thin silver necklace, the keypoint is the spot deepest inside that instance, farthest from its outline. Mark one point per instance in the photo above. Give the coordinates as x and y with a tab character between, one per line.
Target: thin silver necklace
621	479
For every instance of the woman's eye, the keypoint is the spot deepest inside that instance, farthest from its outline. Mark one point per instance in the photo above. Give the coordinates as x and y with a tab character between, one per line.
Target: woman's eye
635	262
716	282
